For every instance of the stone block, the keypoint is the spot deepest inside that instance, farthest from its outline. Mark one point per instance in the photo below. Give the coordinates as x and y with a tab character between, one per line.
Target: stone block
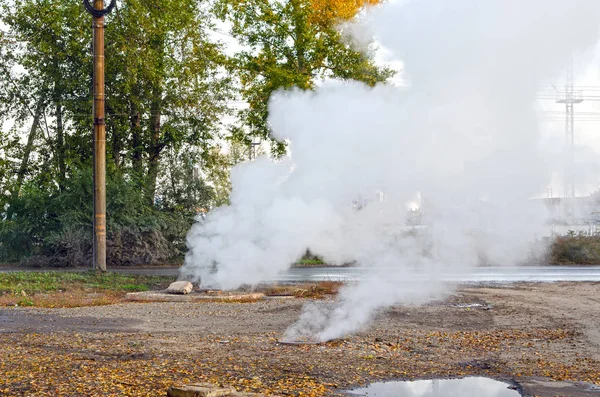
200	390
180	287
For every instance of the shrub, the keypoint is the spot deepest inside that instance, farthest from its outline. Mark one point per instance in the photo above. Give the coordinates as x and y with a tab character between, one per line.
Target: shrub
47	226
576	249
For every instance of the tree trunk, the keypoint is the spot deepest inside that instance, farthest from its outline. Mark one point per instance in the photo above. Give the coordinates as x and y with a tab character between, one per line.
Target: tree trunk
28	147
155	146
60	146
154	150
116	147
136	138
300	44
116	144
60	154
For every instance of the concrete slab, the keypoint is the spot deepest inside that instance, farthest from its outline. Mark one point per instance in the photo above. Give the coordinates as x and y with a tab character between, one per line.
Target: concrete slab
163	296
547	387
200	390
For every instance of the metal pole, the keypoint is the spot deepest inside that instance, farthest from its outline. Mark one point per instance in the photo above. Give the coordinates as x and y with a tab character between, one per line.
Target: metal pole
99	143
99	155
99	245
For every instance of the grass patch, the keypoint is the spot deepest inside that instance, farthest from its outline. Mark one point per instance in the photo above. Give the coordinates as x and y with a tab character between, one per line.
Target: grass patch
36	282
73	289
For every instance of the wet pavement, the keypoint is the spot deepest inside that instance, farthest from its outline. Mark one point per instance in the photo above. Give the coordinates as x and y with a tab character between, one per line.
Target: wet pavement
482	275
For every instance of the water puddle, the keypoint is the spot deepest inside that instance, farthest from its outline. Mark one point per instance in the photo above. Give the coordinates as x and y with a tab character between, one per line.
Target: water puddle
465	387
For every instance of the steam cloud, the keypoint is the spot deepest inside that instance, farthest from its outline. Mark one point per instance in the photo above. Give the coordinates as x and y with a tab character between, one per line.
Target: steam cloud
463	132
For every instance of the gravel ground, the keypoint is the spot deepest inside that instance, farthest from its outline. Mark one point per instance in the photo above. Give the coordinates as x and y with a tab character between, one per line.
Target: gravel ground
525	333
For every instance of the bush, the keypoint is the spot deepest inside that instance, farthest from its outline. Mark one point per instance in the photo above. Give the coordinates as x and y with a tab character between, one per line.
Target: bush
47	226
576	249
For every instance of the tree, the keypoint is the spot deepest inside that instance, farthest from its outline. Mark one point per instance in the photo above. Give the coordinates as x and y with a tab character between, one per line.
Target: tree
50	48
291	44
167	91
219	175
164	79
167	84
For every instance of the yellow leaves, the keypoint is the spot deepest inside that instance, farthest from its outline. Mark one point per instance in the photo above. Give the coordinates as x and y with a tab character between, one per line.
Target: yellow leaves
333	11
79	364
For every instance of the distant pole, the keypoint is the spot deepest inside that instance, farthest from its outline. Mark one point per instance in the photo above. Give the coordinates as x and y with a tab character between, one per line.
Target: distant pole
570	130
570	98
99	247
252	150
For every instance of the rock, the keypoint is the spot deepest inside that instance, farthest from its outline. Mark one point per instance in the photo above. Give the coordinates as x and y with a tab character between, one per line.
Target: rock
200	390
180	287
550	387
249	395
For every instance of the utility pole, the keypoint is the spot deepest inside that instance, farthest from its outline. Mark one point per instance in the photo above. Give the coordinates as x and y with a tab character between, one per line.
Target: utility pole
99	248
252	150
570	98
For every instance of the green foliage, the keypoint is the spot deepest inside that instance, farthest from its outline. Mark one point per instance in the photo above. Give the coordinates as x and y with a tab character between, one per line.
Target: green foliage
48	226
310	262
28	302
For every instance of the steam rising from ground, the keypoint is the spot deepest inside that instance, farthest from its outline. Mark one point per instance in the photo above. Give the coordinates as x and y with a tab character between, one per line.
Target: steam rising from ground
463	133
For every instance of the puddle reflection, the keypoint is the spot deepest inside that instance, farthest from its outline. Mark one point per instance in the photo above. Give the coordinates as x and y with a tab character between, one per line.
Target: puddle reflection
465	387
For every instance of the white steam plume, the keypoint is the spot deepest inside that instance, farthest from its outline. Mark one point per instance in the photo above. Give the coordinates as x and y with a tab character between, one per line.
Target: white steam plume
464	133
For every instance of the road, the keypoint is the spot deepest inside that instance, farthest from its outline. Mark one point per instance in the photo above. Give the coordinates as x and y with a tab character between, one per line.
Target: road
479	275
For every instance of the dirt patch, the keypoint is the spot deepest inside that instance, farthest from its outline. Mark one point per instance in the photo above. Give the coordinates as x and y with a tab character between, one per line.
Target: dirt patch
542	331
64	299
304	290
545	387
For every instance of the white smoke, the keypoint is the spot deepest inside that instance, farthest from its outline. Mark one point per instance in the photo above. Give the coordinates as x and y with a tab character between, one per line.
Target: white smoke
464	133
